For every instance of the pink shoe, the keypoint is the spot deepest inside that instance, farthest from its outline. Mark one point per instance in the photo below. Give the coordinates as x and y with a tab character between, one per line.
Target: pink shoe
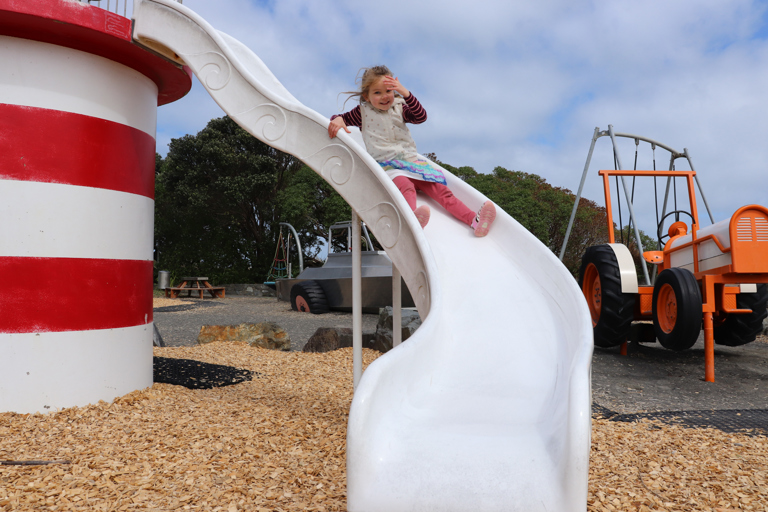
485	217
422	214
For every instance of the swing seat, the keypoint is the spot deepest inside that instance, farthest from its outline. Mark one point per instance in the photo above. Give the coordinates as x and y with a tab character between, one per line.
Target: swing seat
654	257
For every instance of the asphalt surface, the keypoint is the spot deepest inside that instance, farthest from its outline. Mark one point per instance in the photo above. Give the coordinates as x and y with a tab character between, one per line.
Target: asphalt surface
650	378
180	325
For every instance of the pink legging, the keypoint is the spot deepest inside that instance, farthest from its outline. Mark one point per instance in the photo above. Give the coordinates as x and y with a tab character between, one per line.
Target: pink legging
440	193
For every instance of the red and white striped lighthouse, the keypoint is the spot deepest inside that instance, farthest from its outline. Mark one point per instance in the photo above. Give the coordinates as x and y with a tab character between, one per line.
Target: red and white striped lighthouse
78	110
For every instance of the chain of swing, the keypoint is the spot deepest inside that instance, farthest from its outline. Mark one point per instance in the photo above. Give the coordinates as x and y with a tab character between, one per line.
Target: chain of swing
632	196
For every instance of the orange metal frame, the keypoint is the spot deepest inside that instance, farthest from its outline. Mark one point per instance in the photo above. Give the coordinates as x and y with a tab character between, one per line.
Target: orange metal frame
750	266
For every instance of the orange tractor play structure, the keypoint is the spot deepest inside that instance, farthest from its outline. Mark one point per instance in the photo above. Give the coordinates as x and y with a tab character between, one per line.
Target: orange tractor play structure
714	275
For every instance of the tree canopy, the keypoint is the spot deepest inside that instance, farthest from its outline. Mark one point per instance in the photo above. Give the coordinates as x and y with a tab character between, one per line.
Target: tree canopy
542	209
221	194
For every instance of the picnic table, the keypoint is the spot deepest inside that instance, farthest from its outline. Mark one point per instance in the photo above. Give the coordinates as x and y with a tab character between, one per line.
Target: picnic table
195	284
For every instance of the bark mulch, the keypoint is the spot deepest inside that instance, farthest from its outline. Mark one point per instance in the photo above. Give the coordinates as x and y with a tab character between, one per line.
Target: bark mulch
276	442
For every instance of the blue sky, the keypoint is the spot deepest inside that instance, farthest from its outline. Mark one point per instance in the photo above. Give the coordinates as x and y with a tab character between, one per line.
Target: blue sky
524	84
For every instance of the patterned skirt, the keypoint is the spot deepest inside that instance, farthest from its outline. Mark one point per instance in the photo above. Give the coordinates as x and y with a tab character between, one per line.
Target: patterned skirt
420	169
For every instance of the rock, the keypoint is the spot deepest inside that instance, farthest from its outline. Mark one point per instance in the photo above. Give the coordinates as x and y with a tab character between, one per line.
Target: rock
264	334
252	289
383	338
765	326
327	339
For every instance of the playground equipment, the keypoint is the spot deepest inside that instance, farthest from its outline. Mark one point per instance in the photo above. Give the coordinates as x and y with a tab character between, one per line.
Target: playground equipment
715	274
281	263
78	109
478	410
320	289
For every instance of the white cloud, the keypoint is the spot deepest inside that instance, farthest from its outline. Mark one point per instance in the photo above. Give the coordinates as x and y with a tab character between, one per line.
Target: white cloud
524	84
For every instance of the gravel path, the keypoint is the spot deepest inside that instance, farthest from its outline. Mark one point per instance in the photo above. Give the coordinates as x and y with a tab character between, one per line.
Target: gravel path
180	323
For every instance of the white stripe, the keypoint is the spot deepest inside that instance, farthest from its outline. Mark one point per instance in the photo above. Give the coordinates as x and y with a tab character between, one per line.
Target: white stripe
44	75
44	372
52	220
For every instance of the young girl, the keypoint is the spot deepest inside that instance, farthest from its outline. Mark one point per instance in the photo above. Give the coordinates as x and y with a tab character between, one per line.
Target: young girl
382	117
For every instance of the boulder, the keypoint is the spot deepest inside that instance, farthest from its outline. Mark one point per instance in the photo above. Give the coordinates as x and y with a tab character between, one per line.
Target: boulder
251	289
327	339
383	338
264	334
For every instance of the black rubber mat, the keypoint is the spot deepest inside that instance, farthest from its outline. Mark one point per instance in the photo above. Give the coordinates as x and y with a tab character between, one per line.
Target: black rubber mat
196	374
744	421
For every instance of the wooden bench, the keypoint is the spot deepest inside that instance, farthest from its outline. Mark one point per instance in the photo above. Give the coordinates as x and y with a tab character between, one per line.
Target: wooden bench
215	291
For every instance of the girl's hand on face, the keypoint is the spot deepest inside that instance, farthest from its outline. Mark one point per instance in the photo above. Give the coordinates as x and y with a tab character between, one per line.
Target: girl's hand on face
336	125
392	83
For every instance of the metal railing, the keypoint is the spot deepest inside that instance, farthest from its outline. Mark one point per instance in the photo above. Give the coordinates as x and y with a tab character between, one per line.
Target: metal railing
120	7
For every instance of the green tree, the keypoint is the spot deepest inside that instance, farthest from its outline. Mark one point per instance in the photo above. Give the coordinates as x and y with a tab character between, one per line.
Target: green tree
220	196
542	209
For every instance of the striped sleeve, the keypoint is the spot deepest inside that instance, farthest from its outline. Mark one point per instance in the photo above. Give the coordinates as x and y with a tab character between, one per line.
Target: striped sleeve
413	112
351	118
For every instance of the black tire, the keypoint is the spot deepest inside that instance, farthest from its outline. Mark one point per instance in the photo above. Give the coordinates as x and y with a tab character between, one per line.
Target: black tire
600	282
742	328
677	318
308	296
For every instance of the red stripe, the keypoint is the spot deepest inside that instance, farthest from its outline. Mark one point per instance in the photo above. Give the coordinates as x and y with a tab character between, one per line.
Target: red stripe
51	146
93	30
73	294
67	13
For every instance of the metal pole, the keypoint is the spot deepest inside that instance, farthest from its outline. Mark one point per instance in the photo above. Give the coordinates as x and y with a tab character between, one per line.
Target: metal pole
578	194
357	302
298	245
632	218
709	348
701	191
368	242
397	308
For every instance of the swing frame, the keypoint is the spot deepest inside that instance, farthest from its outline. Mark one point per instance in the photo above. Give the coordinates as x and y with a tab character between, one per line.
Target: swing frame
744	267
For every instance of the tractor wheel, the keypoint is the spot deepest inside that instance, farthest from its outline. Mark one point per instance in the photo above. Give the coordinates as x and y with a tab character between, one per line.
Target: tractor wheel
676	309
308	297
600	281
740	329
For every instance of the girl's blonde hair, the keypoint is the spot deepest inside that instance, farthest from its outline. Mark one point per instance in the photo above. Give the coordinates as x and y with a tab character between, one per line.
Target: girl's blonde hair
366	77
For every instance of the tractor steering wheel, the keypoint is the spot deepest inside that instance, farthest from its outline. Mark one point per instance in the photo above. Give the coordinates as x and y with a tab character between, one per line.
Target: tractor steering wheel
661	224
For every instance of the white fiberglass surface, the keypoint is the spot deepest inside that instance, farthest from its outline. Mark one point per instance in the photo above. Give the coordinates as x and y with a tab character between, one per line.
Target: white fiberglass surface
483	410
487	406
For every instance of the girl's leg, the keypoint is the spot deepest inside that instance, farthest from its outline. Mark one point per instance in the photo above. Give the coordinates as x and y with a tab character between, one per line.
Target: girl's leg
443	195
406	187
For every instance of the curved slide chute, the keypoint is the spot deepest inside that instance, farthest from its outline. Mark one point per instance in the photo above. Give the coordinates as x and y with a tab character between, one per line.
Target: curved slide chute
487	406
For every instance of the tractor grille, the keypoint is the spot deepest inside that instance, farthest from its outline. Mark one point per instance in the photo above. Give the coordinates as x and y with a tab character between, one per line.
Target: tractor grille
752	228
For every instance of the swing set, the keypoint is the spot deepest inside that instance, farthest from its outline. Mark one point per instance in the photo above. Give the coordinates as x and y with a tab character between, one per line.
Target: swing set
715	276
281	264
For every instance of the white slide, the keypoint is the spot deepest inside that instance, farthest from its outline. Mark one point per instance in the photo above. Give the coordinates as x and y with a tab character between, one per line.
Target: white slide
487	406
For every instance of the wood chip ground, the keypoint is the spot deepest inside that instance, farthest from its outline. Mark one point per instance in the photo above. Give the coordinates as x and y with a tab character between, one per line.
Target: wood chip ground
277	443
